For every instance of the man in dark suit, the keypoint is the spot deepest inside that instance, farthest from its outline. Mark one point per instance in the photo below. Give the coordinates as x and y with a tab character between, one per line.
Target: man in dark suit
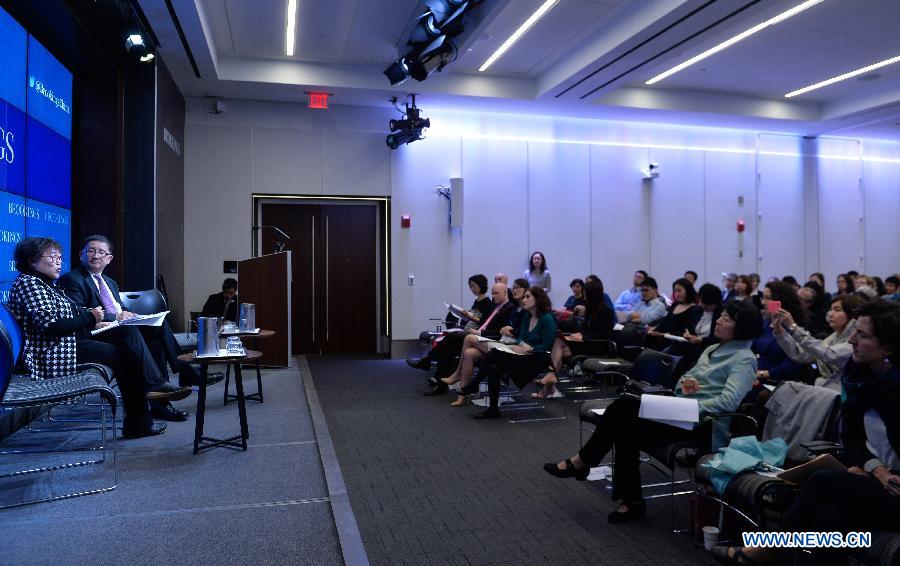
224	304
88	287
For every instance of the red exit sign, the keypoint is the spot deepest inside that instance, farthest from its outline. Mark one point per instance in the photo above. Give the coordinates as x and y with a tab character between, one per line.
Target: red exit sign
318	100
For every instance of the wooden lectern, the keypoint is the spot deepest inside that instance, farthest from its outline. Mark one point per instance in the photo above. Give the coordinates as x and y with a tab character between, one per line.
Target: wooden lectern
265	281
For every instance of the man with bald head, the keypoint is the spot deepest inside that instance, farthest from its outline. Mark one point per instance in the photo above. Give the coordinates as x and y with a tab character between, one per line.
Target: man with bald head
447	350
504	278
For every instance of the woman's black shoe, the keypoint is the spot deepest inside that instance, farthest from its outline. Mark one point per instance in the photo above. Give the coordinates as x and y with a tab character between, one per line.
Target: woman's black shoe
635	510
570	472
491	413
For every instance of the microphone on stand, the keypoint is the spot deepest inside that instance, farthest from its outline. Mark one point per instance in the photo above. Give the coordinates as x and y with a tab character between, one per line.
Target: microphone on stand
279	244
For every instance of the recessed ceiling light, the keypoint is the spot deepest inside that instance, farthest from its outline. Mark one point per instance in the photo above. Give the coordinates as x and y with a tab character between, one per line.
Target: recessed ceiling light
729	42
291	28
844	77
532	19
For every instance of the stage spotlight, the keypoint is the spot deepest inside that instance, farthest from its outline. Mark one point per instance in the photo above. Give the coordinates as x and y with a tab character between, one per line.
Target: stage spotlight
409	128
135	45
397	72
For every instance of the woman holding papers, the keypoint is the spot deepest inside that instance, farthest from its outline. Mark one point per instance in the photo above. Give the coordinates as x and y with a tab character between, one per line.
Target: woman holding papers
720	379
521	362
680	317
50	322
865	497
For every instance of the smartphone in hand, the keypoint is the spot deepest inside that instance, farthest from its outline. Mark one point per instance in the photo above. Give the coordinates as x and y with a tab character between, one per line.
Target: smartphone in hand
773	306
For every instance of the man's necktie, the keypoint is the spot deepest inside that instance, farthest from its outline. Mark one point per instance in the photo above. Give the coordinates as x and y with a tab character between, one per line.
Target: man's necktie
109	304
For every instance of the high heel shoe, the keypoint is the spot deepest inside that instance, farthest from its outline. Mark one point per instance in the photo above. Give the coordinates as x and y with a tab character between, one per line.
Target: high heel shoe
635	510
571	471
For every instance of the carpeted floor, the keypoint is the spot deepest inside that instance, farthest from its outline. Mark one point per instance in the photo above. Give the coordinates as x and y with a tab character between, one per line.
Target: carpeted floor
268	505
431	485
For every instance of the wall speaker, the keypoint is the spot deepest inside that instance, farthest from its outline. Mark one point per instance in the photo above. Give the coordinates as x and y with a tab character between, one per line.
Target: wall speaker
456	202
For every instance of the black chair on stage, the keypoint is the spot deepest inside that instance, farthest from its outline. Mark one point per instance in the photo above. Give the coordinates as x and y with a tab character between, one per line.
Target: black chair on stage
18	392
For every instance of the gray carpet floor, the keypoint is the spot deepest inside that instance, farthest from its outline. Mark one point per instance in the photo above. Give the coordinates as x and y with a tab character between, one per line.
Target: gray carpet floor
268	505
431	485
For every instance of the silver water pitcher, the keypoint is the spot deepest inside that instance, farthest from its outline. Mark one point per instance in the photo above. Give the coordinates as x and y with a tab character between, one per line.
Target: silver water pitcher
247	317
207	336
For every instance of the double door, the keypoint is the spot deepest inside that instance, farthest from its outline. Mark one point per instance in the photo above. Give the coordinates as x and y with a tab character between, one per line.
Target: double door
334	291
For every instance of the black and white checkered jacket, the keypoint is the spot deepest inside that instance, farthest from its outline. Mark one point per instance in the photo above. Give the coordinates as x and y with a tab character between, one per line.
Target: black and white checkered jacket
48	321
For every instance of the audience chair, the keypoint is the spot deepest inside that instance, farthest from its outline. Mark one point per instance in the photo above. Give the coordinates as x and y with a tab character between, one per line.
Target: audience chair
25	394
614	370
757	498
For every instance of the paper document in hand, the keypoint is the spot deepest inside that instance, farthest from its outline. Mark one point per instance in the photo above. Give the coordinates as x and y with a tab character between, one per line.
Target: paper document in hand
109	326
674	338
145	319
456	310
675	411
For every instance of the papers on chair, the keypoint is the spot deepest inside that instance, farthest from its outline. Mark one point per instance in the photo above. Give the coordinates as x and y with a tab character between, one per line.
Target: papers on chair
136	320
598	412
618	326
674	411
674	338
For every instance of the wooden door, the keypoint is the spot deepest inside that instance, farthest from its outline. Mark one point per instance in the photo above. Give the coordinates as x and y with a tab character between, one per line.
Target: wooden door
333	293
350	285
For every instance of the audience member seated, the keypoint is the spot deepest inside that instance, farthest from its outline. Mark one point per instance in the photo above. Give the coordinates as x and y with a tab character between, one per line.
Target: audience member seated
579	311
630	297
702	335
879	286
792	281
51	321
650	308
844	285
577	297
812	301
820	279
224	304
537	273
691	276
728	281
829	354
866	497
773	364
755	293
504	278
448	348
892	288
865	285
597	324
474	350
531	353
681	317
87	287
719	380
742	288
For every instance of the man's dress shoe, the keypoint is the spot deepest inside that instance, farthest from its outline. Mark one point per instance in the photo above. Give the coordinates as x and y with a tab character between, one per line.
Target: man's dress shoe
152	430
166	412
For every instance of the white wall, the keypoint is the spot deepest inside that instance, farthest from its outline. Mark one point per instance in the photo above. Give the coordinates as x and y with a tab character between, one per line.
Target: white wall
570	188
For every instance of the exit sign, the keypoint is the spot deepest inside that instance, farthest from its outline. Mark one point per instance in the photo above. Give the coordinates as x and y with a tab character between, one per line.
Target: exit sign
318	100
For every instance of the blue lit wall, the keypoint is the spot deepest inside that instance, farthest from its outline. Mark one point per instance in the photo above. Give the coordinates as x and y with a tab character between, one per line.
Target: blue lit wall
35	146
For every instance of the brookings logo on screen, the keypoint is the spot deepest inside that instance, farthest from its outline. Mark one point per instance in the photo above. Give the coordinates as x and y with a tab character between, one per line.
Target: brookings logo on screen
19	209
7	153
57	101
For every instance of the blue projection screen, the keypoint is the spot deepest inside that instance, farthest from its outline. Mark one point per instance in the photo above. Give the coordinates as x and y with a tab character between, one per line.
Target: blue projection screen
35	146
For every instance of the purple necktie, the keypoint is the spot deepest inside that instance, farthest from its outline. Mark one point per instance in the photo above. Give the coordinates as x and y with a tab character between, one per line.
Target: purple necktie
109	304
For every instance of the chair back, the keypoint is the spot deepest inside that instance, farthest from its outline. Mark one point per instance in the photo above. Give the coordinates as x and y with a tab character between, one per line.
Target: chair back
143	302
630	340
655	368
11	343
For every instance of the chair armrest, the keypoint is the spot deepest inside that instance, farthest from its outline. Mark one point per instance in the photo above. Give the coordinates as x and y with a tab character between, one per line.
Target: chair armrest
734	415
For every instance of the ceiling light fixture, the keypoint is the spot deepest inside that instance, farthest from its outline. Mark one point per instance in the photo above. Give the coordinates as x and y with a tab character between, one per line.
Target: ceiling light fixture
291	28
844	77
545	7
729	42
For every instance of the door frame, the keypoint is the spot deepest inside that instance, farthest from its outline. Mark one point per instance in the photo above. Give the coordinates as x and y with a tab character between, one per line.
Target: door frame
383	248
